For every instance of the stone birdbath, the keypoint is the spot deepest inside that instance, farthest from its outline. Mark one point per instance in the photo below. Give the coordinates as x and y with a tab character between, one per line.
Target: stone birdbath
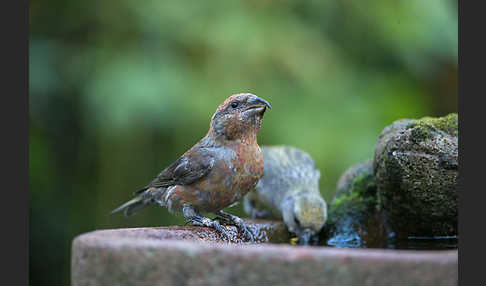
408	189
196	256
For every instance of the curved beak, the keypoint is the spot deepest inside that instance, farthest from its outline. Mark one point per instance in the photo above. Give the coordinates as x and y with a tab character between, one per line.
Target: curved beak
257	101
305	236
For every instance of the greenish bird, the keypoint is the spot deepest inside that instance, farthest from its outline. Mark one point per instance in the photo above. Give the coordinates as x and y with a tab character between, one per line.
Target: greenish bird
289	190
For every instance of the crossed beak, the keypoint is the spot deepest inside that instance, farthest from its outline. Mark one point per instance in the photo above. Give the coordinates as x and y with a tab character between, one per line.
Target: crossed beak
257	102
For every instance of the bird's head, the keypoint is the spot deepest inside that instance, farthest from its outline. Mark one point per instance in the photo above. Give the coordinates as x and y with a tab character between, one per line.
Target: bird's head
305	213
238	116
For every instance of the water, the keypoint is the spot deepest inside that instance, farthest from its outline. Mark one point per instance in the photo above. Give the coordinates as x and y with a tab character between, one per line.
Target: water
412	243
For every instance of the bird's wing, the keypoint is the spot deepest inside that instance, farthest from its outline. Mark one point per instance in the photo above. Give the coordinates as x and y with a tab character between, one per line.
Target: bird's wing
189	168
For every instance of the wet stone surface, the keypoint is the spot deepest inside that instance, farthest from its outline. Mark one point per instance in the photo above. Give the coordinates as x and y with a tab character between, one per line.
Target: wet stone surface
355	218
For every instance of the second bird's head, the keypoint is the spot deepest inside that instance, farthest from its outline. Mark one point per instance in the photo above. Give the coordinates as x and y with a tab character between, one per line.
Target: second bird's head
305	214
238	116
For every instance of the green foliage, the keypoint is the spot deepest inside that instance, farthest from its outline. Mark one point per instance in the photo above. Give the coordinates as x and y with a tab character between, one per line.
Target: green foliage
120	89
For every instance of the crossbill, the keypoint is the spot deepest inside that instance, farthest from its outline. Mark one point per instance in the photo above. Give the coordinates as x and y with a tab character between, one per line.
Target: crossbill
289	189
216	172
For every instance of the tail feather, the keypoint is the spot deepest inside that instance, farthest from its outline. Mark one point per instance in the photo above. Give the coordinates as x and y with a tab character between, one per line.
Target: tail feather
130	206
143	199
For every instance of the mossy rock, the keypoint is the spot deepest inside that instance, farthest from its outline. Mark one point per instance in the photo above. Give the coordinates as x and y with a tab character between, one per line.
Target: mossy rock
428	126
355	218
416	169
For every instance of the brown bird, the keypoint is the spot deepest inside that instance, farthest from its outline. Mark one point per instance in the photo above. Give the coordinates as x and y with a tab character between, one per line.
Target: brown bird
216	172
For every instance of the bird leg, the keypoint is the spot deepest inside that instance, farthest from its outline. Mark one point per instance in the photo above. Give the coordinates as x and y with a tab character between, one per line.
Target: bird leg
195	219
238	222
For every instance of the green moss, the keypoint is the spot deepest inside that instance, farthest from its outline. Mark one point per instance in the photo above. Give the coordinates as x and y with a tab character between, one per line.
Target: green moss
357	201
424	127
355	215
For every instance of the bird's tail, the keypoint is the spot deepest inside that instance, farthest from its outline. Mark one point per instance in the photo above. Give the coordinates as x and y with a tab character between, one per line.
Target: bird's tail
143	198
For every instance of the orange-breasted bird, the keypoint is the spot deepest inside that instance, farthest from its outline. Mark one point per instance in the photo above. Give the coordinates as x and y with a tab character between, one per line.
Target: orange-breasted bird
216	172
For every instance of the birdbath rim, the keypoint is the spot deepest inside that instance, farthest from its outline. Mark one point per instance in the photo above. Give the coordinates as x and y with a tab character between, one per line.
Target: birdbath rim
166	255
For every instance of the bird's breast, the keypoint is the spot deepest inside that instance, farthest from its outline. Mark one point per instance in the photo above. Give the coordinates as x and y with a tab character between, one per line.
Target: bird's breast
248	167
235	172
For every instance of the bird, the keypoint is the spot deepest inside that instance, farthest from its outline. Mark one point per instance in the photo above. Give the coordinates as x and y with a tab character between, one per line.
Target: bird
289	189
215	173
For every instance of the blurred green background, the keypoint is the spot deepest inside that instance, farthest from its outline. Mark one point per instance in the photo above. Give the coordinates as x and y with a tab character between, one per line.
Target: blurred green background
120	89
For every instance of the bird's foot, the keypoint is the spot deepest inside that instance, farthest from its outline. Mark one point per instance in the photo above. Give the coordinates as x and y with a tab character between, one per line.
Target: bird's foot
238	222
247	233
206	222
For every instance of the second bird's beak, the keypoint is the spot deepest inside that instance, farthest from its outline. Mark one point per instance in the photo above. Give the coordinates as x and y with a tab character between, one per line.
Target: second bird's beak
257	101
305	236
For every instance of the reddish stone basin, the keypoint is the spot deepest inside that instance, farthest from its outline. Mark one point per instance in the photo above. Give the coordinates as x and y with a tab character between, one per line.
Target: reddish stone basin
195	256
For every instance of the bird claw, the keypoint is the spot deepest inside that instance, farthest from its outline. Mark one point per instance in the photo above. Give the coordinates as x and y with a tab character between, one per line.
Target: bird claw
225	221
247	233
222	231
196	221
229	219
206	222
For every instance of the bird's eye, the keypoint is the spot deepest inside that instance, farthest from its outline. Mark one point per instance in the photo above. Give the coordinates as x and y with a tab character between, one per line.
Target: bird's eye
234	104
